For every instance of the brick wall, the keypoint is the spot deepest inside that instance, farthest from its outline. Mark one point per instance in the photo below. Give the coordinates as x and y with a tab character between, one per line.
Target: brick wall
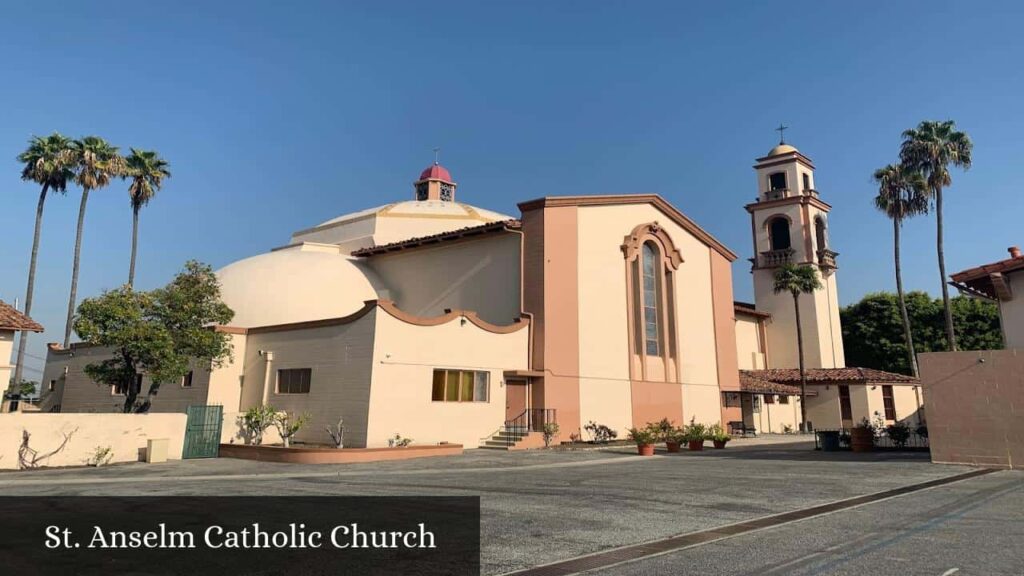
974	403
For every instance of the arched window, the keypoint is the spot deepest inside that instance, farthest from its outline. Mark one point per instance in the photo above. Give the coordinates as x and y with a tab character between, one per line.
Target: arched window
777	181
651	303
652	262
778	233
821	233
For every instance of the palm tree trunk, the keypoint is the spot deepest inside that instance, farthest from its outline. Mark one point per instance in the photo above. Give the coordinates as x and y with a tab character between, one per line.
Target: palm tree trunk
74	268
135	245
947	309
911	354
803	372
23	341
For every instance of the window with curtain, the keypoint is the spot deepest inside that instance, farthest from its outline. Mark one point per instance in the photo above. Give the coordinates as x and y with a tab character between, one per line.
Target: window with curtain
460	386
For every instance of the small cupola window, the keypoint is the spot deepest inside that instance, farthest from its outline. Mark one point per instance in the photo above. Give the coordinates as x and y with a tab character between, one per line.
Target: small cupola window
435	183
777	181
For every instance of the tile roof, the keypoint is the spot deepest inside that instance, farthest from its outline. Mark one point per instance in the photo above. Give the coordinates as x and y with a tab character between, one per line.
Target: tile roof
438	238
751	381
826	375
1008	265
749	309
11	319
986	280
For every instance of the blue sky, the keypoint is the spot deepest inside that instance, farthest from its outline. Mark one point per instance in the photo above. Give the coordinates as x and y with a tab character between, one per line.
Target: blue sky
276	116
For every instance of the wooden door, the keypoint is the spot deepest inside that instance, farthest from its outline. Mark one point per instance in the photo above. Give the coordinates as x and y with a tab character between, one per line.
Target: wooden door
516	392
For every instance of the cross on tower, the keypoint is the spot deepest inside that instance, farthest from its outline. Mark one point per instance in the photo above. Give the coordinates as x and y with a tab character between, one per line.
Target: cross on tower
437	155
781	130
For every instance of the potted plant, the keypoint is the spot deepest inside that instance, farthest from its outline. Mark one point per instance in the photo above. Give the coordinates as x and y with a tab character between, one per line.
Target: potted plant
675	439
667	433
862	437
695	435
645	439
718	436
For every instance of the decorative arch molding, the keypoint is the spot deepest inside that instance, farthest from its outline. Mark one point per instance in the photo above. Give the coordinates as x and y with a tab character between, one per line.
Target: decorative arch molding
633	243
392	310
449	315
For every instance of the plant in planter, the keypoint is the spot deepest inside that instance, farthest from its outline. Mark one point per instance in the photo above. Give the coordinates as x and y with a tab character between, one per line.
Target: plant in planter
399	442
255	422
288	426
337	433
694	434
550	431
667	433
675	439
718	436
862	437
645	438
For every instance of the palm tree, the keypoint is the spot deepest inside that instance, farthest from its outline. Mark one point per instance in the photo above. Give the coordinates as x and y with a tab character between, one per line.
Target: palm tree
47	162
147	170
902	193
930	149
97	163
797	280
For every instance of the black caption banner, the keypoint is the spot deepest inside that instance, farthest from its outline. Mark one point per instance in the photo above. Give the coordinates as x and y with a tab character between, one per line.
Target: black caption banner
226	536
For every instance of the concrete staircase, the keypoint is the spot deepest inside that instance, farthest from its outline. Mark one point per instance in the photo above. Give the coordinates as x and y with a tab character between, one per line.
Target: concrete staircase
514	438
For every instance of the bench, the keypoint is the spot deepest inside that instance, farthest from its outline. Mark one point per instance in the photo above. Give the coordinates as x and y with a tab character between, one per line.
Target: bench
738	427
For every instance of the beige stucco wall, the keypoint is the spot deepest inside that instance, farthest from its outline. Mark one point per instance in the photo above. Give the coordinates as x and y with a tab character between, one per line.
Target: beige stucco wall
823	410
125	434
775	417
603	313
6	347
1011	312
339	357
76	392
482	275
749	354
405	356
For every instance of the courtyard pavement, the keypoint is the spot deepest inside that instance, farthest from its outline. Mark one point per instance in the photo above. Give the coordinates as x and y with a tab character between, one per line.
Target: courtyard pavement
543	506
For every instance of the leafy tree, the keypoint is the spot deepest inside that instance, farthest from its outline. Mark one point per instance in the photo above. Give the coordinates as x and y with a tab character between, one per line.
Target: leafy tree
147	171
873	335
48	161
157	333
901	195
931	149
97	162
797	280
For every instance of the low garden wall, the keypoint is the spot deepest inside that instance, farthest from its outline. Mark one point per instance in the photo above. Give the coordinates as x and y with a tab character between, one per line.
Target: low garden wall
125	435
299	455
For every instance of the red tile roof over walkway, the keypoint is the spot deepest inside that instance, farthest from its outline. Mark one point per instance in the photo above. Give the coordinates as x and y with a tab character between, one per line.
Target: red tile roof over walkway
11	319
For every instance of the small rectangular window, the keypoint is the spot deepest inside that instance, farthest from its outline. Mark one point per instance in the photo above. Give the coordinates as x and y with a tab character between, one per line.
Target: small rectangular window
777	181
783	399
294	380
807	181
52	385
845	410
460	386
186	380
769	399
889	401
732	400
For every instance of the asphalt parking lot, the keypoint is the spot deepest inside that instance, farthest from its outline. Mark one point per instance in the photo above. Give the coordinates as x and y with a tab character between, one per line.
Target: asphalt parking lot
540	507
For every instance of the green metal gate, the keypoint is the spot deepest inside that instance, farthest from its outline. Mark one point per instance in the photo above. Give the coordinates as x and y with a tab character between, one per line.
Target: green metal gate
202	431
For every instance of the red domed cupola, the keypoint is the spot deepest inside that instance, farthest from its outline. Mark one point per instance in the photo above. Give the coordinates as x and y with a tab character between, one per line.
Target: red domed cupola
435	183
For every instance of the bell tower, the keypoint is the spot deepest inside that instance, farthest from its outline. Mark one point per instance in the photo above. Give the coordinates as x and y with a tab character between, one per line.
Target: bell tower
789	222
435	183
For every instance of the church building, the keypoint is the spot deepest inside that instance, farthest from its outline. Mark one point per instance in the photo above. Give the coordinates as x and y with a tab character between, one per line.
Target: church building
444	322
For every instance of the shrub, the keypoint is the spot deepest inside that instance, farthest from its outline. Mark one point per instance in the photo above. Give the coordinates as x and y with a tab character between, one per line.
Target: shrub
600	433
550	431
695	432
287	426
101	456
255	422
399	442
899	433
665	429
646	435
717	434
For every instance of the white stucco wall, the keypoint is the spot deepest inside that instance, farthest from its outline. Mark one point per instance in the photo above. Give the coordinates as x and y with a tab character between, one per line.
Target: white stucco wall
1011	312
749	354
405	356
6	347
125	434
482	275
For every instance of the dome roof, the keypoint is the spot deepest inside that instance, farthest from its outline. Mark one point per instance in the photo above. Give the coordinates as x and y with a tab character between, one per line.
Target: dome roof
782	149
436	172
295	285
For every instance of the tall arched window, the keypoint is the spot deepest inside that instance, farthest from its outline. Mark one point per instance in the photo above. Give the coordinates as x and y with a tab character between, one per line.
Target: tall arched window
778	233
651	299
652	262
820	233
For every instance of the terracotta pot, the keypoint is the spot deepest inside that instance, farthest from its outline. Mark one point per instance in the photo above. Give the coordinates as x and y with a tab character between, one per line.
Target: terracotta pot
672	446
862	440
696	444
645	449
720	444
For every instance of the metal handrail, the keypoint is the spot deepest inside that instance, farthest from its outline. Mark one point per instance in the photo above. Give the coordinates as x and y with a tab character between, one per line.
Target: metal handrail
529	420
